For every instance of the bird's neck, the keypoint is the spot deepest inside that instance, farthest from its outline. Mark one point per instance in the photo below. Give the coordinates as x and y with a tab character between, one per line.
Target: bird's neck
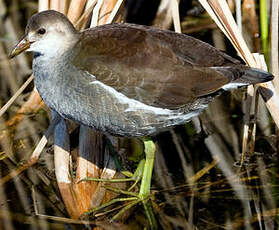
45	67
48	73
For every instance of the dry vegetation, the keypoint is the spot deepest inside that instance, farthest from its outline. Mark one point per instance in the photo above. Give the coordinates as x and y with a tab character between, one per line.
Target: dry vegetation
219	171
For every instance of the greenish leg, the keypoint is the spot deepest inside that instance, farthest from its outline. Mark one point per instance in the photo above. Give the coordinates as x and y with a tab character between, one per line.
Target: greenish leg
131	177
138	174
143	172
150	149
125	209
120	191
108	204
144	194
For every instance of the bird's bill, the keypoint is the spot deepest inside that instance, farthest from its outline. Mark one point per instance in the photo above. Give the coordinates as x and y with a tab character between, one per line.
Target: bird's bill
23	45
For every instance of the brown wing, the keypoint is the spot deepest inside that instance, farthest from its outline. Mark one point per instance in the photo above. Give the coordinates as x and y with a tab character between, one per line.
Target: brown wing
159	68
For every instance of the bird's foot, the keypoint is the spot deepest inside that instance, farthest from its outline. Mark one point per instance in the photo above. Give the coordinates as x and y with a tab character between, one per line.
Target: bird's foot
143	172
136	177
131	201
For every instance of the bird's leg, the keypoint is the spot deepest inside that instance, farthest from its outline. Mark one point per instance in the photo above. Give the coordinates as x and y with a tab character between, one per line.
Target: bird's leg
136	176
138	173
144	193
149	149
143	172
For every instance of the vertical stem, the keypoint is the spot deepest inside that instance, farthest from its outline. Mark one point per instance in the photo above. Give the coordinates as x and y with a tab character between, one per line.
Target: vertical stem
238	14
55	5
43	5
175	15
264	28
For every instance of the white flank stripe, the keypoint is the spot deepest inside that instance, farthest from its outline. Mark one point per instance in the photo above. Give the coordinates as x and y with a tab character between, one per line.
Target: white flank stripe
233	86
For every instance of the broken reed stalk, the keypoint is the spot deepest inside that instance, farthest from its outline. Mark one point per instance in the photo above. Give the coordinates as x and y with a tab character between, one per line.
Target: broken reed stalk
264	28
95	16
43	5
114	14
55	4
14	97
106	10
88	10
175	16
59	5
75	10
89	3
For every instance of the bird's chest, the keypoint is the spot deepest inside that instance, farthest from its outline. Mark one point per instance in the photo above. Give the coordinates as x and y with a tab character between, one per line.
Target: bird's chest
49	80
63	88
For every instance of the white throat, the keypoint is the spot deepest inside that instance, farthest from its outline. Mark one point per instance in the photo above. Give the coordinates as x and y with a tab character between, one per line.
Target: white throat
52	46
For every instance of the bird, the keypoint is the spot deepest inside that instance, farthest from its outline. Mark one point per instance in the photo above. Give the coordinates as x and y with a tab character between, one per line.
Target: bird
128	80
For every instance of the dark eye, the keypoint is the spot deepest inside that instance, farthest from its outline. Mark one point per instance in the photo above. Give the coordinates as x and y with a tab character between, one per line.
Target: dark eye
41	31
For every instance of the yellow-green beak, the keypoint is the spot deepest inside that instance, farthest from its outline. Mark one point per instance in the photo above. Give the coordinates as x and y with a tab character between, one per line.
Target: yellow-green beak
23	45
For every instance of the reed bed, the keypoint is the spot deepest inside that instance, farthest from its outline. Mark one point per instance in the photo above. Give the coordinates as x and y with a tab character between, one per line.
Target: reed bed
220	171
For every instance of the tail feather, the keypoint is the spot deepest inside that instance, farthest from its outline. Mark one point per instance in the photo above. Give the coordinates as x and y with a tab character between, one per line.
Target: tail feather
254	76
243	76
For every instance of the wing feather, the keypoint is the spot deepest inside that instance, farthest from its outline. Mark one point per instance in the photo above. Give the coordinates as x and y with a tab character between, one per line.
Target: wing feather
159	68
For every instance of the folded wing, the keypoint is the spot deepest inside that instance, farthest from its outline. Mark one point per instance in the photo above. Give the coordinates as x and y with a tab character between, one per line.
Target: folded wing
159	68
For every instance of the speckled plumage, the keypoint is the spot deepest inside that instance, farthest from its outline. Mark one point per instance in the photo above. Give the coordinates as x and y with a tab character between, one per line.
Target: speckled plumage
128	80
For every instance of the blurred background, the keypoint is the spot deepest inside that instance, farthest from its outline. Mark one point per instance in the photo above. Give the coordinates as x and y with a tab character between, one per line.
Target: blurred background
219	171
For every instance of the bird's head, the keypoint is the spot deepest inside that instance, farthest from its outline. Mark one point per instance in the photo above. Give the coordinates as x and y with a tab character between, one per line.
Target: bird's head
47	33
